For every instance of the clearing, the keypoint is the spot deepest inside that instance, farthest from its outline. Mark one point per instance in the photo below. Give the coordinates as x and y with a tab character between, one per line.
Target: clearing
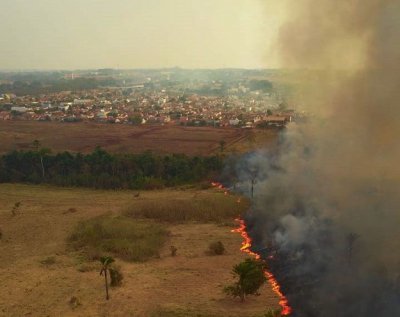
120	138
40	273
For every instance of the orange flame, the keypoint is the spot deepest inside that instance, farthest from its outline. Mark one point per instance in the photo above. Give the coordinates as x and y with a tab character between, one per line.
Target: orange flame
246	244
219	186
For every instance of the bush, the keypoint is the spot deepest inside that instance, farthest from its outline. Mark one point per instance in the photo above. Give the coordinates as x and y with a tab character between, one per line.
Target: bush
70	211
48	261
173	250
86	268
116	276
74	302
273	313
216	248
251	277
125	238
15	208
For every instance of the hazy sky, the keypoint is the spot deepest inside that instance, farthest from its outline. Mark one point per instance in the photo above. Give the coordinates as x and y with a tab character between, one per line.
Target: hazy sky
72	34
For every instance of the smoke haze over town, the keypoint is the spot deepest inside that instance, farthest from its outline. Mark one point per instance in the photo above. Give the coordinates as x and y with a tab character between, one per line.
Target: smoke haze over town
57	34
199	152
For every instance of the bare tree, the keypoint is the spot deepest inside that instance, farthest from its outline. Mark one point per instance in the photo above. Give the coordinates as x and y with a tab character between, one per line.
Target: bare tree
253	180
42	152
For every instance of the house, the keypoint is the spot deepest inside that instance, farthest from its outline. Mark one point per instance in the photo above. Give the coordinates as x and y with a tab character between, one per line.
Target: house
277	121
19	109
82	102
164	119
234	121
183	120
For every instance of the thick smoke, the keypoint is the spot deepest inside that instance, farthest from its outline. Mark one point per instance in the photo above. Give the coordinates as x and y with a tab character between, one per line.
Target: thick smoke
327	206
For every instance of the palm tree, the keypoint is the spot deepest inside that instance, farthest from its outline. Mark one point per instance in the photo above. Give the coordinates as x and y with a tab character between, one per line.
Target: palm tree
106	261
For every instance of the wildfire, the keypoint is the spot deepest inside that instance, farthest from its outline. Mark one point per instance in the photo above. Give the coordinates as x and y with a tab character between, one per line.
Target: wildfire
220	186
246	244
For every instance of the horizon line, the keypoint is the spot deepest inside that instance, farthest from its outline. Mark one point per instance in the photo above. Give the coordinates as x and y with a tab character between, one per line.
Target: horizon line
131	69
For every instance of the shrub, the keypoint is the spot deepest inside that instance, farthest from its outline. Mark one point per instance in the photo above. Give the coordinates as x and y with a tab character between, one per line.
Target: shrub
216	248
173	250
116	276
251	277
15	208
273	313
129	239
86	268
48	261
70	211
74	302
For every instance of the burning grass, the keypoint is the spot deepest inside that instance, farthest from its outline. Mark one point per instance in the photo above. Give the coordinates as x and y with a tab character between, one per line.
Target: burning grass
246	247
128	239
213	208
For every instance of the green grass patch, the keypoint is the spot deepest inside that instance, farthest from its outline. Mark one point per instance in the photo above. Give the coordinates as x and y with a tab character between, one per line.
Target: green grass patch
123	237
210	208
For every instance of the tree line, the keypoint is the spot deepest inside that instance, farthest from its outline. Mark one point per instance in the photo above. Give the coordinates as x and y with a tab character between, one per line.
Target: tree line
104	170
37	87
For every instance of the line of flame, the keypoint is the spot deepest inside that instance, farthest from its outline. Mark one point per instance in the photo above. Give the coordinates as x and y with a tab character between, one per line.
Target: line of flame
246	244
220	186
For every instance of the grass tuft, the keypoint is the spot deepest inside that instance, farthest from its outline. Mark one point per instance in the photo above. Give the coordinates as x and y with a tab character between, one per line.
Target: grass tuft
123	237
50	260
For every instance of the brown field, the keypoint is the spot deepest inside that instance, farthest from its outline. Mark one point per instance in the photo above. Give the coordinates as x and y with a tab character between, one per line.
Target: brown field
84	137
189	284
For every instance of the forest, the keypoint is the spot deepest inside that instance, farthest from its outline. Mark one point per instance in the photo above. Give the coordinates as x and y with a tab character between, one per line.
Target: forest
103	170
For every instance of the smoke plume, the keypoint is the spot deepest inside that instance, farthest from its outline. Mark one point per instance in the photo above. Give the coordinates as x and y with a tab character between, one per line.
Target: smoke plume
326	208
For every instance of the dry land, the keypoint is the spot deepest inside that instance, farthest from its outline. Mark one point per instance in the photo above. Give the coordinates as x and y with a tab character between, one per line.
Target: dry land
84	137
40	272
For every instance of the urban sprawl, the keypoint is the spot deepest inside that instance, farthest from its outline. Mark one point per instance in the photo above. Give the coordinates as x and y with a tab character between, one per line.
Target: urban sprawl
239	102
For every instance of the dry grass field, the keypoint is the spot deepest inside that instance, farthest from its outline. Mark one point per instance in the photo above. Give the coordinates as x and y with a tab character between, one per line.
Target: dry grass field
84	137
40	272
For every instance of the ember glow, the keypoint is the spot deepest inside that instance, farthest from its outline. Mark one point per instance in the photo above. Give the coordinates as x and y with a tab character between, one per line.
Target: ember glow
220	186
246	245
